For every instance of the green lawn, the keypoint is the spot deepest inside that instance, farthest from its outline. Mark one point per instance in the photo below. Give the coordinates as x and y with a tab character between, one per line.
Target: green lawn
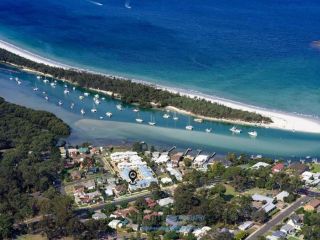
293	238
315	167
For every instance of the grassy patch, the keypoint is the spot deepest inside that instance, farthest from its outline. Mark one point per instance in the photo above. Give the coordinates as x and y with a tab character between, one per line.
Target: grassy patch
315	167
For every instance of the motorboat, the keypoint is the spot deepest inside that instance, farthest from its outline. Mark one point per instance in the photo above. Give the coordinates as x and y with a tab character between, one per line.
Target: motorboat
93	110
60	103
109	114
253	133
66	91
208	130
135	110
119	107
189	127
199	120
82	111
139	120
81	97
234	129
86	94
166	116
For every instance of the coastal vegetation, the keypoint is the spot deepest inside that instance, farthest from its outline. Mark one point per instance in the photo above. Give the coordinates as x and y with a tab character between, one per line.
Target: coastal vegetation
30	166
136	93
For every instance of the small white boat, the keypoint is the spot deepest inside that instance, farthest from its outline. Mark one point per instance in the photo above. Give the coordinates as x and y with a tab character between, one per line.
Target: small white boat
38	77
139	120
135	110
253	133
74	88
94	110
189	127
11	78
103	98
152	123
45	80
175	118
199	120
82	111
19	82
86	94
60	103
66	91
65	85
44	92
96	101
235	130
109	114
166	116
100	117
208	130
81	97
46	98
72	105
35	89
16	78
96	96
53	84
119	107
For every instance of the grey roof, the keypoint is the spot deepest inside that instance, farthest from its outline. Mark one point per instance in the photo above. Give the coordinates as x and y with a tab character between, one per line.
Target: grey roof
278	234
287	228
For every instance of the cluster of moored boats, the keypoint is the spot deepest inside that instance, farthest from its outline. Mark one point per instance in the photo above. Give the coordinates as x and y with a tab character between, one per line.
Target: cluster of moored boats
97	100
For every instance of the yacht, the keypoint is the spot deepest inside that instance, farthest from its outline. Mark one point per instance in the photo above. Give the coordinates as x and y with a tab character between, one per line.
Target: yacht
94	110
53	84
38	77
152	122
189	127
109	114
96	101
253	133
45	80
199	120
46	98
35	89
119	107
60	102
175	118
81	97
166	116
82	111
19	82
135	110
86	94
66	91
235	130
208	130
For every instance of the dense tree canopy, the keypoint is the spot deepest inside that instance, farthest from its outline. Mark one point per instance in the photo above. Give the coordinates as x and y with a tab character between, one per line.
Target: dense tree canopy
132	92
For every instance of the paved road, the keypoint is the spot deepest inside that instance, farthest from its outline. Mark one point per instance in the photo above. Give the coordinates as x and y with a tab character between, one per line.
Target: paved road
279	217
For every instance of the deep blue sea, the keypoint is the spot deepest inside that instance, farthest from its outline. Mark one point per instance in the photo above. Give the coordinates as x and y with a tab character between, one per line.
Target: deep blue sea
256	52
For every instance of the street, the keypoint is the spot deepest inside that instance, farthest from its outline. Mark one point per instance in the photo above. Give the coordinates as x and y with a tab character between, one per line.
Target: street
279	217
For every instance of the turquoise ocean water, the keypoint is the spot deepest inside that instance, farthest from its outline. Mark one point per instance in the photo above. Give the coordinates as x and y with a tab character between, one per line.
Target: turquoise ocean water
255	52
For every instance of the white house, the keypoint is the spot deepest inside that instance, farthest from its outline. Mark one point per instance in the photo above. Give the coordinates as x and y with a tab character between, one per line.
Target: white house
99	216
287	229
115	223
165	201
259	165
246	225
282	195
200	232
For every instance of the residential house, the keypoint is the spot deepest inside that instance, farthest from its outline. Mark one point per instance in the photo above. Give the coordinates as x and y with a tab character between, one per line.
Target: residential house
99	216
72	152
166	180
268	202
63	152
298	168
120	190
312	205
185	230
165	201
295	221
278	168
282	195
115	224
260	165
276	235
89	185
201	232
125	212
150	202
287	229
200	160
75	175
246	225
172	220
176	158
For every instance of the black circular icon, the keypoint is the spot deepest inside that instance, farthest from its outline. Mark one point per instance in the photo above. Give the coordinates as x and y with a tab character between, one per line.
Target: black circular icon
133	175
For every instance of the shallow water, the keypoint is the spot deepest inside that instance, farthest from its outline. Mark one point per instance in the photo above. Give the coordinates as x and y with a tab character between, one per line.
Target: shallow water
256	52
123	128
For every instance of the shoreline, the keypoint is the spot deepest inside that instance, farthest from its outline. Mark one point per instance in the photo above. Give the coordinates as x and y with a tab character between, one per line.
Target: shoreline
281	120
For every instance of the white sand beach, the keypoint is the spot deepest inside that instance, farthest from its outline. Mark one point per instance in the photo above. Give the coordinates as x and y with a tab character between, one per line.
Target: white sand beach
281	120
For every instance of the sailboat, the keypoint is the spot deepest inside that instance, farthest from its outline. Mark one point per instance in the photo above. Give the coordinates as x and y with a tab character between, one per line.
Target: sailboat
72	105
175	118
208	130
152	121
136	110
166	116
138	119
93	110
60	103
199	120
82	111
35	88
66	91
46	98
81	97
45	80
38	77
109	114
86	94
189	126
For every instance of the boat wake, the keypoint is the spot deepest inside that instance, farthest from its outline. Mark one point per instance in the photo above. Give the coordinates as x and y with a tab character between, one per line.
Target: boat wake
127	4
95	3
